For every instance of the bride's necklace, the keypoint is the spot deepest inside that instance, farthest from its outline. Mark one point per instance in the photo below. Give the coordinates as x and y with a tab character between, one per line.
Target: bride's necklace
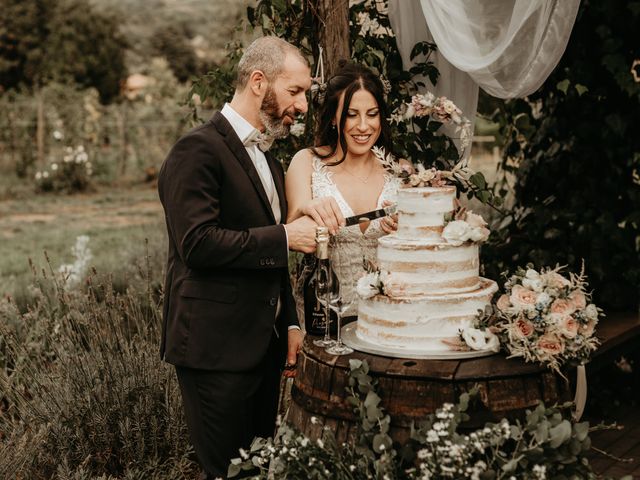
359	177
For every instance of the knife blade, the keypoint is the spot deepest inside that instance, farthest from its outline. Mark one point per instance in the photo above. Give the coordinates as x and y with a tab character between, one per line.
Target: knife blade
372	215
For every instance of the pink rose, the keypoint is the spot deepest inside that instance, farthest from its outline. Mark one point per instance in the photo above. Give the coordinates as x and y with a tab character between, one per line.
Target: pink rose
568	326
523	328
562	307
578	300
523	298
555	280
503	303
550	344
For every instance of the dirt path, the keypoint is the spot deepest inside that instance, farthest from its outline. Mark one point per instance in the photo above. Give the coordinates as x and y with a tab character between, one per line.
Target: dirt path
120	208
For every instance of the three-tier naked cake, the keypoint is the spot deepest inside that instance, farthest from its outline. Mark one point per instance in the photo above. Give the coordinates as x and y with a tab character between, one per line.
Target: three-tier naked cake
430	285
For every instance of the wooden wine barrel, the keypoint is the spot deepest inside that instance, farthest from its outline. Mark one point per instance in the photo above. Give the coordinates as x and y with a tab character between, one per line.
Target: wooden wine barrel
411	389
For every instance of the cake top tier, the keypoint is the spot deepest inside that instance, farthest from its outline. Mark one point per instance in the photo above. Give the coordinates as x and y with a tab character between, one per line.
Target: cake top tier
422	211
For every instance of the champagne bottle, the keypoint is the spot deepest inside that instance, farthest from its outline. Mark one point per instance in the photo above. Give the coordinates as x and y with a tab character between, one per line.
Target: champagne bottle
315	288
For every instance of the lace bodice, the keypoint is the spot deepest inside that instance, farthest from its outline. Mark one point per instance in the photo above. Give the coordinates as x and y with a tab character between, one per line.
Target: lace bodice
350	246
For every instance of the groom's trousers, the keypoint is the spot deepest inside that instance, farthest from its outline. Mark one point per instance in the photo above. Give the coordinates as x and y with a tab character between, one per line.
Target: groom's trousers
226	410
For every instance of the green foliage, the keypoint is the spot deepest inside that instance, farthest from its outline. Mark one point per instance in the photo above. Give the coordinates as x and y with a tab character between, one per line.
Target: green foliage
85	391
171	42
574	149
373	44
547	445
60	40
123	140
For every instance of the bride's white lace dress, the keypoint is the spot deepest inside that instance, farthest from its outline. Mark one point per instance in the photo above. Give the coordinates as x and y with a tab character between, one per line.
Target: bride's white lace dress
351	246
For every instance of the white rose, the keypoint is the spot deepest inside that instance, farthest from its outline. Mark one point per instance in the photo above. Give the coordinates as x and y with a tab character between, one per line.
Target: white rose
367	286
591	312
532	274
478	234
474	338
475	220
456	232
481	339
543	299
533	284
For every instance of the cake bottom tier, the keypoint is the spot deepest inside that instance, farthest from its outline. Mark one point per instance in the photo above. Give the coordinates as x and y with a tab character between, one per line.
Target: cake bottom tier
429	323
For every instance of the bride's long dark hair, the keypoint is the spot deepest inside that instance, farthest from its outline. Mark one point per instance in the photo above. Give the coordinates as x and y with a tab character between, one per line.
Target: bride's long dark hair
349	78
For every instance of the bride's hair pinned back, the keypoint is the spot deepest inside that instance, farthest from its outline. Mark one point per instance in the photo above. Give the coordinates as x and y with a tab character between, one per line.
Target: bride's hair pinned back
349	78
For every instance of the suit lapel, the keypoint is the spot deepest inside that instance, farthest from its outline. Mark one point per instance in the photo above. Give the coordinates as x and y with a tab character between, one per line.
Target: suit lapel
240	152
278	179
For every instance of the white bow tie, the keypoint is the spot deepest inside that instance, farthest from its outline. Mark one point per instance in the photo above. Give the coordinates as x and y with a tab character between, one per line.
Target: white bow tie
263	141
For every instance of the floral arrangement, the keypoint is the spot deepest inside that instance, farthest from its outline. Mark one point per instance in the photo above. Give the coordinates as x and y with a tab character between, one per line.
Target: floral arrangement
547	445
546	317
440	109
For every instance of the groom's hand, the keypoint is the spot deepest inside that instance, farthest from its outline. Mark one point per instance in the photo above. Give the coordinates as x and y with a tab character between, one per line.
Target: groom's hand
301	234
295	339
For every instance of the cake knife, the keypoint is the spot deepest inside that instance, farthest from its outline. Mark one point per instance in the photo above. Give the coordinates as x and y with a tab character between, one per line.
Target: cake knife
372	215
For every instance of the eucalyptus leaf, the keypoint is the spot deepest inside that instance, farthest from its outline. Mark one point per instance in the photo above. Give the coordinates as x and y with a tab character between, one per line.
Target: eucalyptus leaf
563	85
559	434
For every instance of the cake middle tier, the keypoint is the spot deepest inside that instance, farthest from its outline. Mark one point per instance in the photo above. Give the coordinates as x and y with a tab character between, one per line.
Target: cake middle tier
419	267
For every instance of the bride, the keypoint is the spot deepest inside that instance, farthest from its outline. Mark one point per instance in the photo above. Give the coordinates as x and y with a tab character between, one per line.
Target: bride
341	177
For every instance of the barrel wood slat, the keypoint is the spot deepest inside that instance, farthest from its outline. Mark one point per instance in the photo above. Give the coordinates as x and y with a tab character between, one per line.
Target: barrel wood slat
411	389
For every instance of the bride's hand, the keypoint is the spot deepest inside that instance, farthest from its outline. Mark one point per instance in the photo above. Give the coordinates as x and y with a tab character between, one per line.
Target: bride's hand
326	212
389	224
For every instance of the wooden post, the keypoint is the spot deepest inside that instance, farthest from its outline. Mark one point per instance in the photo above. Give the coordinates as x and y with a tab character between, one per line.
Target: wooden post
333	32
40	129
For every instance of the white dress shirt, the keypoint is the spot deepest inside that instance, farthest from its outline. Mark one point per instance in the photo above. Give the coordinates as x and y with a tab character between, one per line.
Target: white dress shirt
244	129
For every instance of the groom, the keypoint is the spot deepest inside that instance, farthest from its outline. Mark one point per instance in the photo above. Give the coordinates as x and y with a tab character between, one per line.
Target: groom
229	315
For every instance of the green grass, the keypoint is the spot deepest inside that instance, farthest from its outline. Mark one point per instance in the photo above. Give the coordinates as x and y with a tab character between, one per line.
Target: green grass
117	221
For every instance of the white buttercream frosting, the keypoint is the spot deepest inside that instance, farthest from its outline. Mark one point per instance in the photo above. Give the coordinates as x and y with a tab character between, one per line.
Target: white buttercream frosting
432	289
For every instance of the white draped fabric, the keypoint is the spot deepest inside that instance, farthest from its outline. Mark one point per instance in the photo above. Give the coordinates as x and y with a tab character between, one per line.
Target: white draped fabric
507	47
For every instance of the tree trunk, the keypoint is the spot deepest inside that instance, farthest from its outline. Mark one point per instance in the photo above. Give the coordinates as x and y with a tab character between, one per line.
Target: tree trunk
333	32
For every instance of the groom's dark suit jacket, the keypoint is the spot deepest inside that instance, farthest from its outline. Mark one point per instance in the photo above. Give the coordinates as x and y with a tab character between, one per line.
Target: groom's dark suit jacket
227	263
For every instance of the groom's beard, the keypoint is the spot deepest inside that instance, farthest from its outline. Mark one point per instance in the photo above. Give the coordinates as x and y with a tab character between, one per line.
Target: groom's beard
271	117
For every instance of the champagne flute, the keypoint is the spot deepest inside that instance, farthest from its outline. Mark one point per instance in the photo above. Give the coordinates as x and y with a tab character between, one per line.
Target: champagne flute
339	304
322	293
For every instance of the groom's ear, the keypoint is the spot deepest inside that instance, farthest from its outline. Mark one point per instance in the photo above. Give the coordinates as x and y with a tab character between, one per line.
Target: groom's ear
258	83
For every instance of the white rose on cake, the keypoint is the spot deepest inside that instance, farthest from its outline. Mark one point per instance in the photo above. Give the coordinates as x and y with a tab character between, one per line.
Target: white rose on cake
481	339
456	232
368	285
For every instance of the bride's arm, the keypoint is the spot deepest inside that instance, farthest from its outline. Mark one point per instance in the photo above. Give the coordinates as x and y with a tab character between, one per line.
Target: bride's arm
324	211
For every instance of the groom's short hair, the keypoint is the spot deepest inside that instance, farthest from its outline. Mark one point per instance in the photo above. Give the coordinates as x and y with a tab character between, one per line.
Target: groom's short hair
266	54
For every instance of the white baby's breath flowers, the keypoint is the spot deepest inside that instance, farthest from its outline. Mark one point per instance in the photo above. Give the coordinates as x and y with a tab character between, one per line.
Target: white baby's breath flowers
54	166
297	129
38	175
